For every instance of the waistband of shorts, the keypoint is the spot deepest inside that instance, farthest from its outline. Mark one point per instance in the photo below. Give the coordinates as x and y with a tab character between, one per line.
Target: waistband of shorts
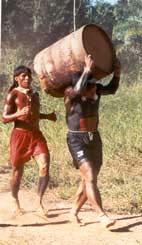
25	129
72	131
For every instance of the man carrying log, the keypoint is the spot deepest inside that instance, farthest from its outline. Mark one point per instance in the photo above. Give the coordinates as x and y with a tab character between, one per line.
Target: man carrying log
83	138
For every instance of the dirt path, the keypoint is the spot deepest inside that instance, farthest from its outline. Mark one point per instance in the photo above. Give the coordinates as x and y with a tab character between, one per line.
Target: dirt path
30	229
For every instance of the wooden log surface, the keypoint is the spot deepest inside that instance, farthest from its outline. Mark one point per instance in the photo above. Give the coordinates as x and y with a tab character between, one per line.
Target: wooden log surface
56	64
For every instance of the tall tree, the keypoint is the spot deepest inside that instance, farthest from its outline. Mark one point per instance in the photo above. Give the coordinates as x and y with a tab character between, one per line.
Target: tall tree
102	14
128	31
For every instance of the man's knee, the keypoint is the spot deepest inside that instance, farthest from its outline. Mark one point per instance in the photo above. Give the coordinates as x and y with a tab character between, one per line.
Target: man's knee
43	169
89	174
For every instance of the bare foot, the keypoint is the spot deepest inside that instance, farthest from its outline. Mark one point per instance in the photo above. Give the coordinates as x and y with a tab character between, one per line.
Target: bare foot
73	217
17	212
106	221
16	209
42	212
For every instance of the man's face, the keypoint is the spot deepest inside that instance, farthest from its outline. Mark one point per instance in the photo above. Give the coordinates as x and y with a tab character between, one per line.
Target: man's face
24	80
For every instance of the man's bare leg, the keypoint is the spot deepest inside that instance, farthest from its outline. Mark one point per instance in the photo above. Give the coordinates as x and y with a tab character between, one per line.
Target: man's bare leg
43	163
17	173
90	176
80	199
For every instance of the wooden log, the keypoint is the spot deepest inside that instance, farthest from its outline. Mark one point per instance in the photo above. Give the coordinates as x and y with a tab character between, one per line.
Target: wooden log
56	64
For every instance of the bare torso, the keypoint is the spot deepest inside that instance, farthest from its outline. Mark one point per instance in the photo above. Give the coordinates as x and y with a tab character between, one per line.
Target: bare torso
18	100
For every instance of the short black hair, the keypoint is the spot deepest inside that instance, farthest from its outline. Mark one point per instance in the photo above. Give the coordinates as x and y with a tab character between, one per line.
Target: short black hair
21	69
17	71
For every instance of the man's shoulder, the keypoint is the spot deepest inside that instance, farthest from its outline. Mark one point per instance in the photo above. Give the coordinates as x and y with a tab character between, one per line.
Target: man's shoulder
11	95
13	92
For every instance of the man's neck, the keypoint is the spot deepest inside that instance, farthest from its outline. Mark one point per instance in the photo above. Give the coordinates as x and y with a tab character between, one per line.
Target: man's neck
91	96
23	90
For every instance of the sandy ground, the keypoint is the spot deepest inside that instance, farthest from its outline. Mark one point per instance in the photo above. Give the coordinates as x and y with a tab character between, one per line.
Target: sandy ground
30	229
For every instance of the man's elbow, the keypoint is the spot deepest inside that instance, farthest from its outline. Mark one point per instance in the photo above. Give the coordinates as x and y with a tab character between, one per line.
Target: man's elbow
4	120
114	88
114	91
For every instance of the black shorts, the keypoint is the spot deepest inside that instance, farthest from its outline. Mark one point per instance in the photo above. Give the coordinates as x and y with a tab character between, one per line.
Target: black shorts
85	146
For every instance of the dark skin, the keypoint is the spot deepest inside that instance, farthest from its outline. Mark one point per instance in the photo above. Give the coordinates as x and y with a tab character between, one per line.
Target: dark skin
88	189
24	111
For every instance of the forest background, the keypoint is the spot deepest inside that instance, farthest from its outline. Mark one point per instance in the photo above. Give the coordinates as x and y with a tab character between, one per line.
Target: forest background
30	26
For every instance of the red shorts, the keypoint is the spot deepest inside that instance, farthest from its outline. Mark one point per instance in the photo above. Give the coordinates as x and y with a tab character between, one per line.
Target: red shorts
24	144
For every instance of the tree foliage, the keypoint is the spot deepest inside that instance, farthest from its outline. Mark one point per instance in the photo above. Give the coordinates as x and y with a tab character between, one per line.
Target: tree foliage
38	21
34	25
128	32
